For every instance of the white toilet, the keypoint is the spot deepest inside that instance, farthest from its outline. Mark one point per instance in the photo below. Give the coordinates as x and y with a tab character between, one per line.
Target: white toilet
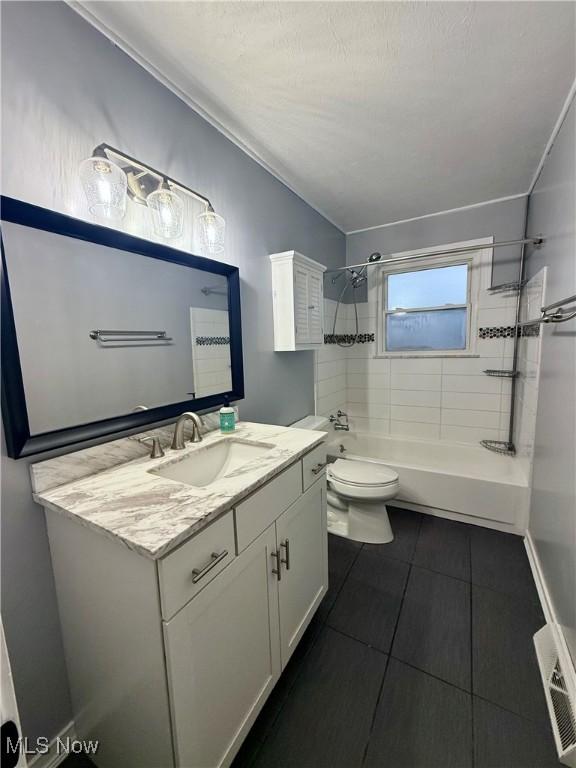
357	494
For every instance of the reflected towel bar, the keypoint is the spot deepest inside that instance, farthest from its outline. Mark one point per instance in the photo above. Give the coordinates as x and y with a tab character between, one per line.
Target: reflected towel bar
128	336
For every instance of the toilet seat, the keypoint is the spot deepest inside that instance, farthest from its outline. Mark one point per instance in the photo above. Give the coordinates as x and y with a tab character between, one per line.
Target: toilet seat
362	474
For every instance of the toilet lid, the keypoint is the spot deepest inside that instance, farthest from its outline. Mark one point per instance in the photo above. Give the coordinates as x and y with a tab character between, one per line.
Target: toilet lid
362	472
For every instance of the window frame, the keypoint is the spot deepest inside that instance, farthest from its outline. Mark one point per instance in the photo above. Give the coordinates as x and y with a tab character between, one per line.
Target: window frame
479	265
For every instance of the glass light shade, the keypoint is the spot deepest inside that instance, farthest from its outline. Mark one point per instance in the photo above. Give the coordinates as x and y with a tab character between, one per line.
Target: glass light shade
105	185
212	230
167	211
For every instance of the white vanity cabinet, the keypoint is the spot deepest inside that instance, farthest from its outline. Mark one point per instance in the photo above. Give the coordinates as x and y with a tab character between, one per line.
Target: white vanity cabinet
298	301
171	660
223	657
301	536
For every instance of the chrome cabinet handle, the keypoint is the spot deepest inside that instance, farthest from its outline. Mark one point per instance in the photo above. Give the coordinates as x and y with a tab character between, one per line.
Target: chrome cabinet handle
286	560
278	570
199	573
319	467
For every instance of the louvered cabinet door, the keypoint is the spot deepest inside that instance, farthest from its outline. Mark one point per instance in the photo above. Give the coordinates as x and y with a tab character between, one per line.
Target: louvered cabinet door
315	299
301	313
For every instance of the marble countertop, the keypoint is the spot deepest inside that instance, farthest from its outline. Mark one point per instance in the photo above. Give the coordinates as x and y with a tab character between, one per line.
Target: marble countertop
151	514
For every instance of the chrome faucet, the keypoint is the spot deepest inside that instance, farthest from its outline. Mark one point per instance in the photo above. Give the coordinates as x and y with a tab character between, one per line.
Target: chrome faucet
178	441
336	420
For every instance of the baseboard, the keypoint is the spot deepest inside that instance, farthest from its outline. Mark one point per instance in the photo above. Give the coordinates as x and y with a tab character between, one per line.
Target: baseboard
54	756
549	611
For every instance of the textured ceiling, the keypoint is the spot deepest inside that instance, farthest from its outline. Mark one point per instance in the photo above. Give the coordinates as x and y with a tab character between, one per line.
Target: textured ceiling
372	111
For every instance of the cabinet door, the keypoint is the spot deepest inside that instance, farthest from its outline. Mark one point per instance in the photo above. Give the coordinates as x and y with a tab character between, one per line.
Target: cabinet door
302	542
222	654
301	318
315	313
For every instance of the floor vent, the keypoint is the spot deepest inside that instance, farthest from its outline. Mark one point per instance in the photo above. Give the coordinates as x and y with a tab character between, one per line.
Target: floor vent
560	694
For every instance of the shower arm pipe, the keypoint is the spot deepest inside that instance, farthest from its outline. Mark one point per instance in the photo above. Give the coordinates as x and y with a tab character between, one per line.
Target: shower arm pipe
143	170
389	259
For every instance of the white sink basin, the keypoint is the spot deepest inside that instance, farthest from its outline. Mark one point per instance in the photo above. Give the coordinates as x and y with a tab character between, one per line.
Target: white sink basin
209	464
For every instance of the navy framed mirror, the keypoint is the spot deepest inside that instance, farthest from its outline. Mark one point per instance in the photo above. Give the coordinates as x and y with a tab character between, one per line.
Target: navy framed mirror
104	332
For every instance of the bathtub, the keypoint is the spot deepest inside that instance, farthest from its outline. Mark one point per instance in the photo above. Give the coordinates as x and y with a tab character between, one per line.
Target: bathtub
457	481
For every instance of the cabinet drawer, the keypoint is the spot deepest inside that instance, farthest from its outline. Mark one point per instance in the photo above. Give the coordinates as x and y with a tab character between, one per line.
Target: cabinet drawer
262	508
311	469
184	572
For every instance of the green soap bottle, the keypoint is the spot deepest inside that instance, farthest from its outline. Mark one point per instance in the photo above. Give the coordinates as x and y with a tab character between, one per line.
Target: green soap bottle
227	417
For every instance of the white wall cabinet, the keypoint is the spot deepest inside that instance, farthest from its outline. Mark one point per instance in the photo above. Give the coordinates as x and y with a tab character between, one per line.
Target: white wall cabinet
167	672
298	301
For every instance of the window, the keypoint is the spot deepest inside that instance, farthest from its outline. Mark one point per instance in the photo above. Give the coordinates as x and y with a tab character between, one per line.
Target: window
426	306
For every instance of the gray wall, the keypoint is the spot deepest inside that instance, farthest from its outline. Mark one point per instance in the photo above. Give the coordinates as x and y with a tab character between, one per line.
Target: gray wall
65	89
552	211
503	221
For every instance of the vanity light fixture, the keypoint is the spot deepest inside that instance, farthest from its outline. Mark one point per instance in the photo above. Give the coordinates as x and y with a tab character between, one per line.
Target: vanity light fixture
105	185
110	176
212	229
167	211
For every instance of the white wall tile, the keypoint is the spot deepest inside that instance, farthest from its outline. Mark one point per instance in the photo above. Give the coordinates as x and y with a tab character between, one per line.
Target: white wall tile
490	347
331	403
497	317
367	395
330	369
373	380
368	410
415	381
485	384
329	386
415	413
377	426
468	434
415	429
471	402
415	397
416	365
379	365
468	418
469	366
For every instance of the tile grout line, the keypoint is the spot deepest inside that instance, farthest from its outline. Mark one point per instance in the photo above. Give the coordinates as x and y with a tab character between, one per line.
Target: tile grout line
323	625
379	697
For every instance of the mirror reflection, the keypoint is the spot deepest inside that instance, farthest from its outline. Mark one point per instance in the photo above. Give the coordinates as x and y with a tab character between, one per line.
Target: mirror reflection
102	332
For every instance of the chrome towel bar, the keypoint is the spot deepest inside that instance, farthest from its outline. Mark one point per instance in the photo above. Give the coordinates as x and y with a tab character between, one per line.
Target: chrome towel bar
555	313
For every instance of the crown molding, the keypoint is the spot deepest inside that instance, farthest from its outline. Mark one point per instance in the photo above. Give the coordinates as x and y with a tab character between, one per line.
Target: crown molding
553	135
440	213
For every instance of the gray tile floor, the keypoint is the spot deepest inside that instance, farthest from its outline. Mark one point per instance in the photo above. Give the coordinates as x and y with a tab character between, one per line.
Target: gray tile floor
420	656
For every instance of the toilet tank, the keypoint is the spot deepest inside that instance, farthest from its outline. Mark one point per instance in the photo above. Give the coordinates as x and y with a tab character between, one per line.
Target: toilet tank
316	423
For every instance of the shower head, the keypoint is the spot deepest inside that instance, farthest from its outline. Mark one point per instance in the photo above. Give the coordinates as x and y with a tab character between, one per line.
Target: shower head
357	278
374	256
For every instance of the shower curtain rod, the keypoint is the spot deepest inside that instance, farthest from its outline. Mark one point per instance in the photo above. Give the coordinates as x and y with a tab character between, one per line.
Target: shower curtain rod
386	259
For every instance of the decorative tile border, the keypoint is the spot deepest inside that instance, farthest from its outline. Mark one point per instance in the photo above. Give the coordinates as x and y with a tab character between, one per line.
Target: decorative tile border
204	341
507	332
348	338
